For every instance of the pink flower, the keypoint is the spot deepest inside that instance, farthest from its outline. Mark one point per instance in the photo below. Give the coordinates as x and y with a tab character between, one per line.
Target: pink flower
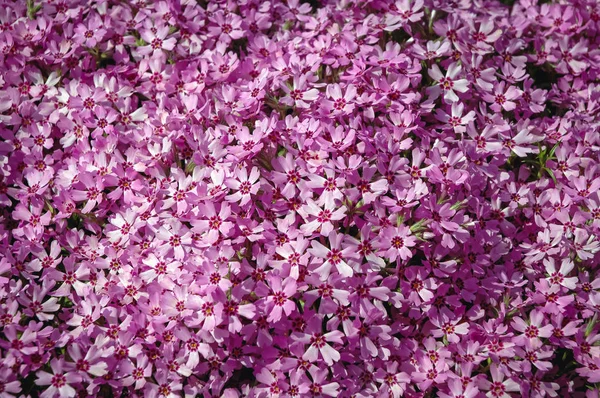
124	226
457	389
137	373
164	388
322	217
396	242
518	143
502	97
91	34
228	26
245	185
449	326
333	256
498	387
299	95
278	295
33	221
318	343
59	381
456	120
429	372
532	330
340	103
447	84
406	10
214	224
319	385
484	35
35	302
560	277
157	40
393	380
93	362
569	54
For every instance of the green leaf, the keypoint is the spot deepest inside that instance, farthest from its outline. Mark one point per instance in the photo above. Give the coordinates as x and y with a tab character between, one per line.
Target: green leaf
590	326
399	219
32	9
551	174
458	205
419	226
189	168
551	154
282	151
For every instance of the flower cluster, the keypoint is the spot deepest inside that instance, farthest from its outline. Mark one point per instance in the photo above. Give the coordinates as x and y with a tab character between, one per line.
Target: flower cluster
247	198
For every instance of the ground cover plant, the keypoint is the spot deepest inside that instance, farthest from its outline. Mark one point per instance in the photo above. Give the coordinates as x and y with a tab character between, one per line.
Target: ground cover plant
352	198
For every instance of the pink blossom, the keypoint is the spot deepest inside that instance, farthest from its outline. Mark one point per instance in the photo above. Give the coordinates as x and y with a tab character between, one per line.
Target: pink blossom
447	84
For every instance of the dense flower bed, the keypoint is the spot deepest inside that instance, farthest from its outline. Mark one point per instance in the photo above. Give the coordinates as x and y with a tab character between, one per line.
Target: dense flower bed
247	198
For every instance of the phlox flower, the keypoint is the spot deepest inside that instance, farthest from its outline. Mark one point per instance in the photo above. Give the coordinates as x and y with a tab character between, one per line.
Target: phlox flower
34	219
90	34
447	84
11	386
591	370
449	326
136	373
73	277
418	286
339	103
536	355
404	11
277	296
19	341
322	218
434	49
93	362
370	334
234	310
213	224
457	389
499	387
156	40
35	303
193	346
396	242
333	256
123	226
569	54
484	36
585	245
560	277
533	330
456	120
267	377
245	185
228	26
319	342
59	381
299	95
90	192
330	185
319	385
520	143
429	372
394	381
165	388
502	97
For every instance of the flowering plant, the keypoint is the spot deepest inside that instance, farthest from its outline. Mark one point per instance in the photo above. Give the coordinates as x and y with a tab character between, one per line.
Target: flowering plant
246	198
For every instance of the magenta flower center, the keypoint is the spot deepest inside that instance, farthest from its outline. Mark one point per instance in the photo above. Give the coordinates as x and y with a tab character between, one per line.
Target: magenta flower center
58	381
